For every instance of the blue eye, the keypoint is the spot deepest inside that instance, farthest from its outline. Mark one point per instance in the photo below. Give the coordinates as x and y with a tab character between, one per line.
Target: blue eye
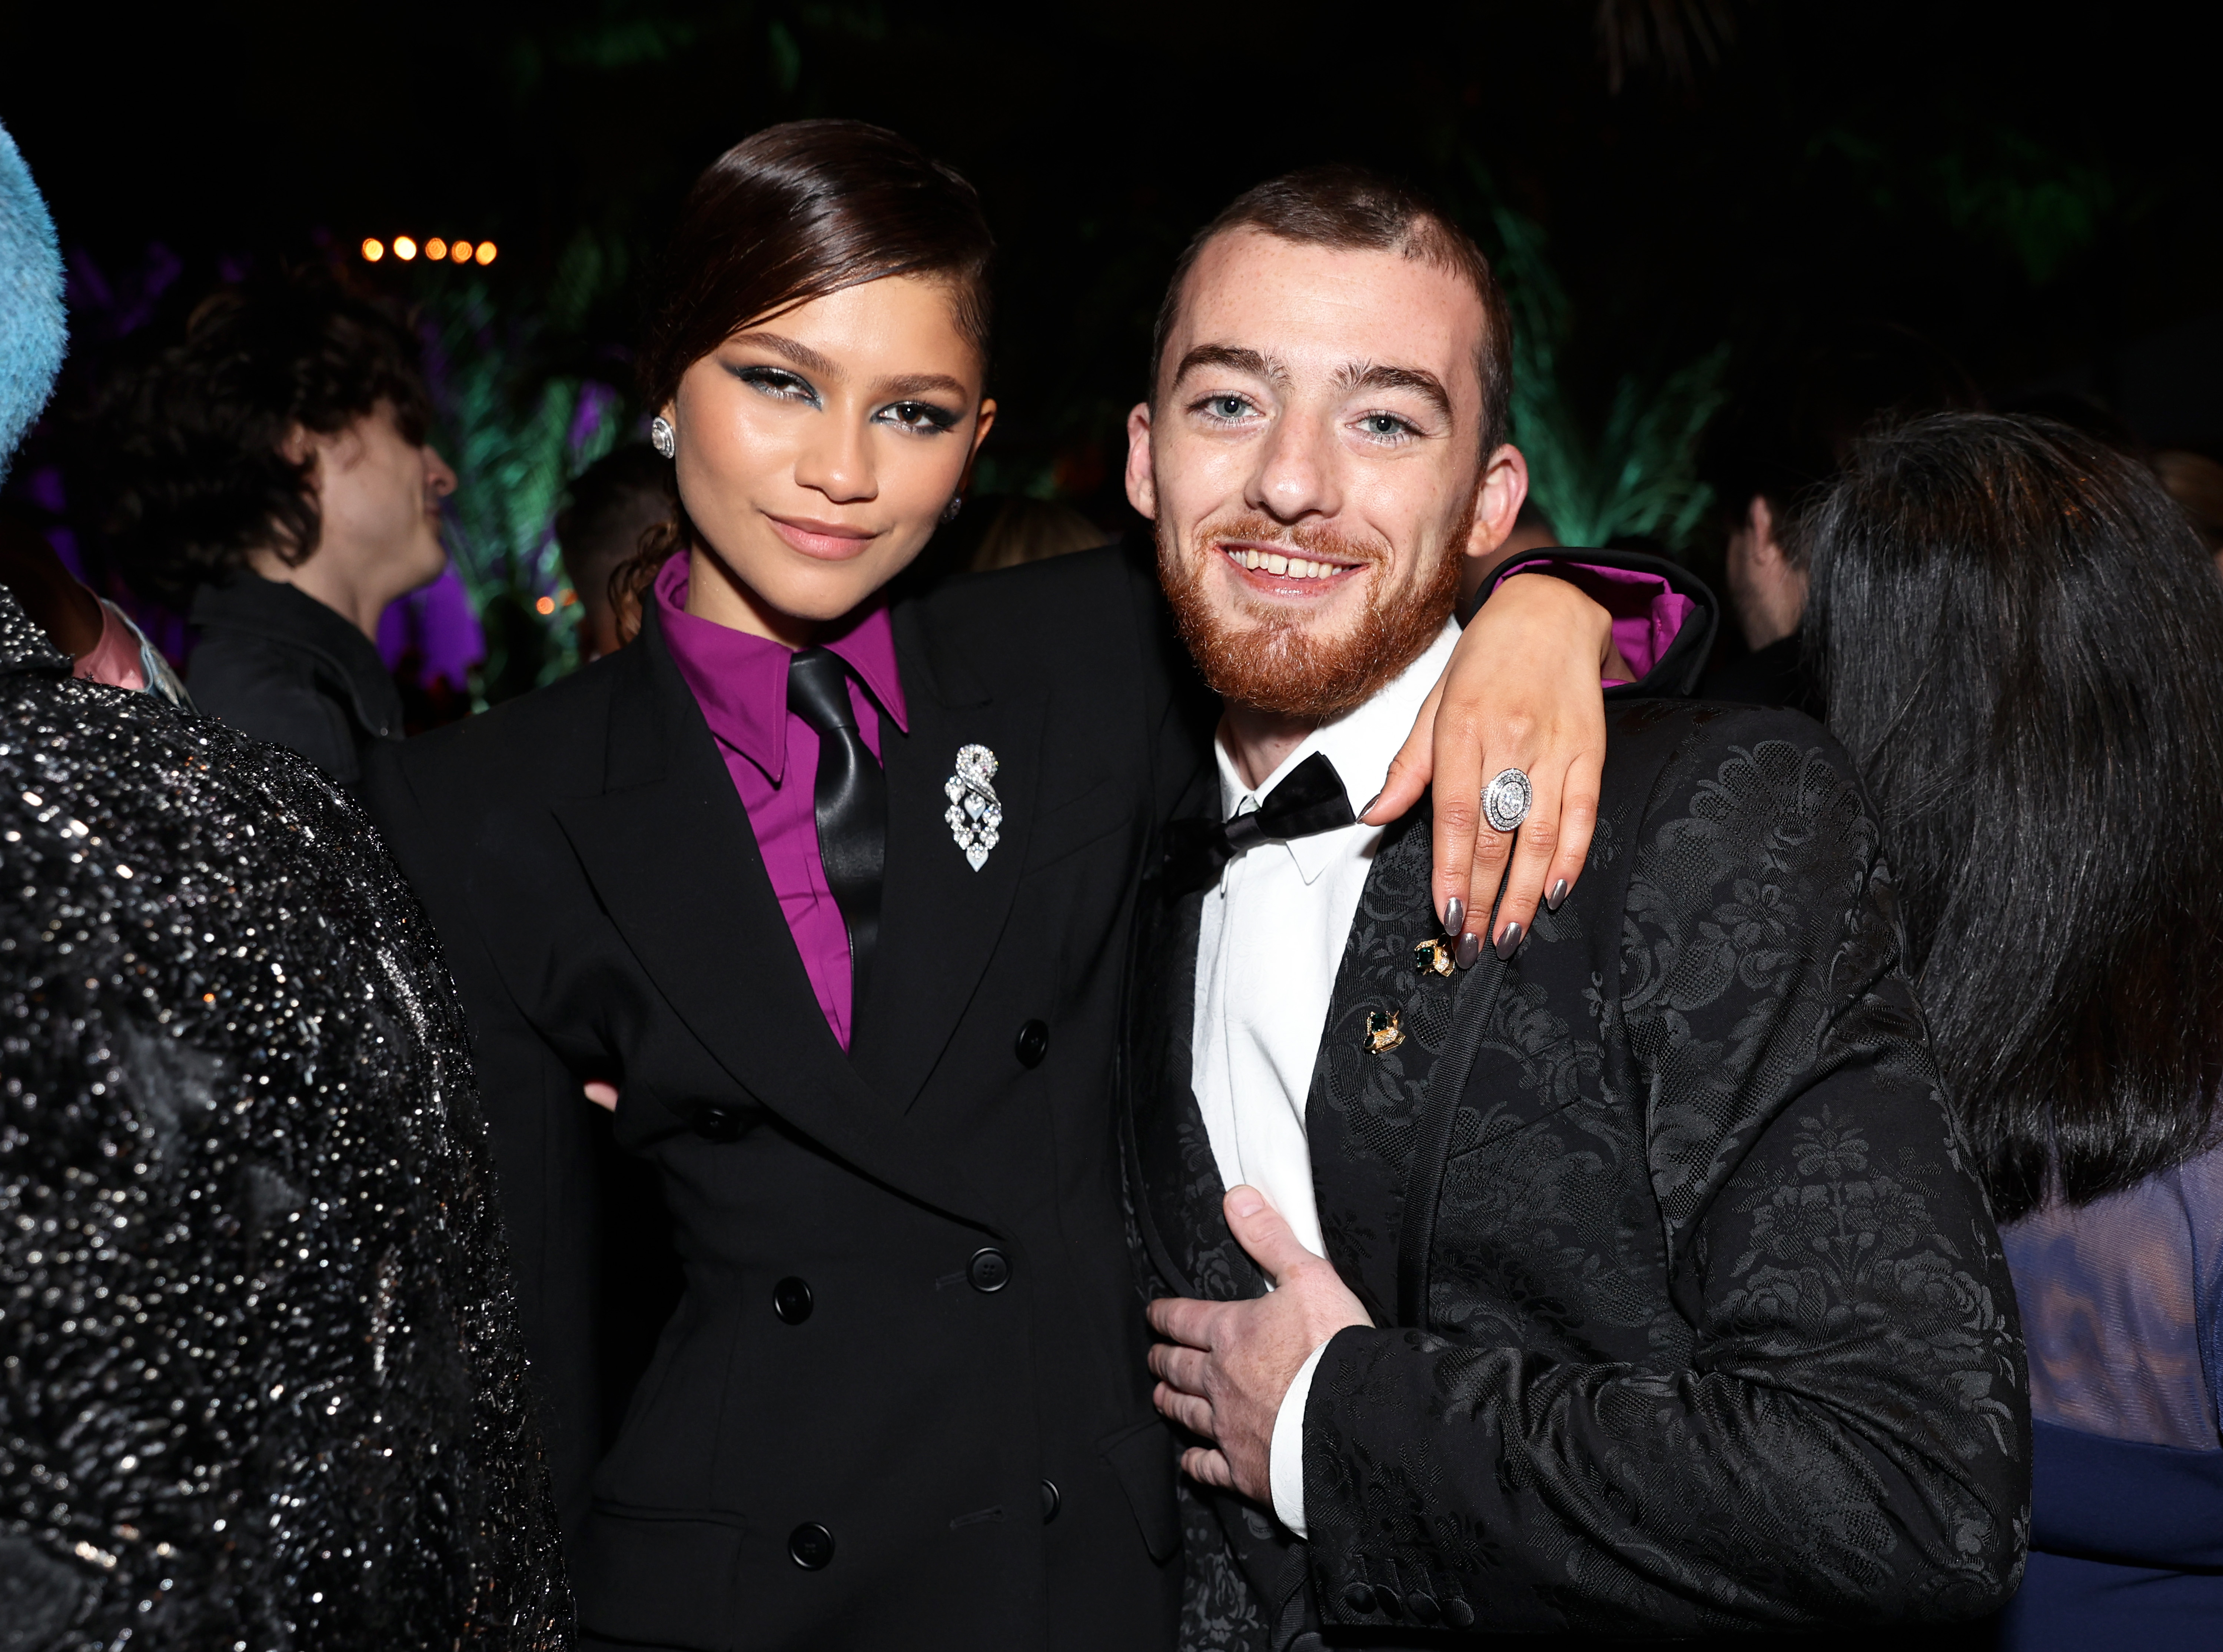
1227	408
1383	425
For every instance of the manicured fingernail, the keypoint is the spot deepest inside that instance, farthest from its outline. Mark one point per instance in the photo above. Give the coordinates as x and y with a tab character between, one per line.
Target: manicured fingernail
1470	948
1370	802
1454	915
1509	940
1559	894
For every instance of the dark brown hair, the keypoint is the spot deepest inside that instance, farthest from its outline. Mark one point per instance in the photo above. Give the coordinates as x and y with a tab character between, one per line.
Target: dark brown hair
1353	210
2021	640
796	213
191	445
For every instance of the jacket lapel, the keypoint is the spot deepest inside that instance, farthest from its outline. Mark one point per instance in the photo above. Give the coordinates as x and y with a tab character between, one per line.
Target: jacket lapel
940	919
669	849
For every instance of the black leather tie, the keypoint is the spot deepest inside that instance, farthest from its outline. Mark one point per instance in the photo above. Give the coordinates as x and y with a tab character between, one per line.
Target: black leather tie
1310	800
852	805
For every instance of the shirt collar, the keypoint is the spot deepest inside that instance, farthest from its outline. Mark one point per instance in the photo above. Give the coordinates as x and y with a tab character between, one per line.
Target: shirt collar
1360	743
740	680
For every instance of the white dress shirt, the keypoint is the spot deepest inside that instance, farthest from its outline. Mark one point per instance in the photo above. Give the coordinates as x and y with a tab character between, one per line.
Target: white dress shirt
1267	950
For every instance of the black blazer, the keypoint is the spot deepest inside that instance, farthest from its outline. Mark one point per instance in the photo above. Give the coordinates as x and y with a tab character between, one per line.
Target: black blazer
902	1402
1688	1313
278	664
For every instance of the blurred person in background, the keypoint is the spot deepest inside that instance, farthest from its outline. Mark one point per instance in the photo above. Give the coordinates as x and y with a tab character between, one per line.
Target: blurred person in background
1781	440
2021	641
1031	530
261	1382
269	474
614	501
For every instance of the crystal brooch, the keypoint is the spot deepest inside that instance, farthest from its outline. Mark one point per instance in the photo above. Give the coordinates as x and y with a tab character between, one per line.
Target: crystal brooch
975	817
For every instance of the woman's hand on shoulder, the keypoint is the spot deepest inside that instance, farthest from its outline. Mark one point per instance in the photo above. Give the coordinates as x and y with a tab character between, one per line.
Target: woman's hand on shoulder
1523	691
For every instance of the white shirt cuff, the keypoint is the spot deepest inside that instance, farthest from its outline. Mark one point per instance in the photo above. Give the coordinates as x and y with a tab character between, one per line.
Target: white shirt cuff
1285	1460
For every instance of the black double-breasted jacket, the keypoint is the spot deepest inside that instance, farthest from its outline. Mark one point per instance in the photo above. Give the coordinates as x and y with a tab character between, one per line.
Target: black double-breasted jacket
903	1400
1688	1313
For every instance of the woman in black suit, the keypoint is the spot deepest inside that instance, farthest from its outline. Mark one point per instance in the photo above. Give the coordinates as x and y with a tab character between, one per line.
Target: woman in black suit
835	893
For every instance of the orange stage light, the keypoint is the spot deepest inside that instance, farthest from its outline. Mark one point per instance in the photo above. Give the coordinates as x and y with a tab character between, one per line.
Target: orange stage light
461	252
436	249
546	604
404	248
485	254
373	250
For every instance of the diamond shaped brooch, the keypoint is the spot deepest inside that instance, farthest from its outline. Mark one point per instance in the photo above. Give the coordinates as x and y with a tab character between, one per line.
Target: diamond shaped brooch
974	815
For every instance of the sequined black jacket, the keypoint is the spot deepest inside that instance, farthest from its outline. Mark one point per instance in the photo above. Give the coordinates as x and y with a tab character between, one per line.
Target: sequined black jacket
261	1383
1689	1316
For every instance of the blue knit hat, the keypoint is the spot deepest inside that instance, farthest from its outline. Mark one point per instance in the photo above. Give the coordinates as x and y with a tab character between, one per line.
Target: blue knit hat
34	331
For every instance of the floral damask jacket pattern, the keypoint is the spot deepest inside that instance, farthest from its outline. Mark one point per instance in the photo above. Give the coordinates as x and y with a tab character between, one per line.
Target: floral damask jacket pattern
1690	1315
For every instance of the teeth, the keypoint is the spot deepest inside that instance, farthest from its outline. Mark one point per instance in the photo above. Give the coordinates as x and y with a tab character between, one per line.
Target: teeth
1295	567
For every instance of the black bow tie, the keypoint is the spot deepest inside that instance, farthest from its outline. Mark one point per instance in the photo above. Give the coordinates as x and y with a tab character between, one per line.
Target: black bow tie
1310	800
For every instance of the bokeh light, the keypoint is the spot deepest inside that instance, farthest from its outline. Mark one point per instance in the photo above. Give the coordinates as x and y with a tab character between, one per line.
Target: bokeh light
485	254
461	252
436	249
546	604
404	248
373	249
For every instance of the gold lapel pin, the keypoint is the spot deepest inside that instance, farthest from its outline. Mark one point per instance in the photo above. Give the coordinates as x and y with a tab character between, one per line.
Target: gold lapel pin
1383	1034
1433	955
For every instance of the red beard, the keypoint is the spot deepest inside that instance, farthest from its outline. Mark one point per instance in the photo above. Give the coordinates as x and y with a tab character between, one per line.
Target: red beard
1273	661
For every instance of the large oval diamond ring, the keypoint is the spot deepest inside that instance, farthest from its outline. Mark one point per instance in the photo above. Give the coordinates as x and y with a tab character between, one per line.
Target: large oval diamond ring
1506	800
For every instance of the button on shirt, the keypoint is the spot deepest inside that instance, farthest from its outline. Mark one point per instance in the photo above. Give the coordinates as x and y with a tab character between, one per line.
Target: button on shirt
741	682
1268	947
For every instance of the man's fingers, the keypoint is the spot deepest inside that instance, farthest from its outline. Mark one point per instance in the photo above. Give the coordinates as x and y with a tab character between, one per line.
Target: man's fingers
1184	1320
1409	769
1187	1409
1208	1467
1260	1229
1180	1367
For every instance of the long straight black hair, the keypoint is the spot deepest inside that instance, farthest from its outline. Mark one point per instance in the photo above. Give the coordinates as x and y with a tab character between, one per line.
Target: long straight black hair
2021	640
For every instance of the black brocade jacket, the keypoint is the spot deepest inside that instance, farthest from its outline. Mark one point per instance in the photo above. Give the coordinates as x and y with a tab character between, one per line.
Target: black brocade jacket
1688	1315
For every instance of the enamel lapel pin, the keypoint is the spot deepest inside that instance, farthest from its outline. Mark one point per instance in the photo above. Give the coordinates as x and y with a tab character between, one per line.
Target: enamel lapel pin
973	814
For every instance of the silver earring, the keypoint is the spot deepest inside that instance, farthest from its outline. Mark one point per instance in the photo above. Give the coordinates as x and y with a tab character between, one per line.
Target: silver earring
660	436
949	511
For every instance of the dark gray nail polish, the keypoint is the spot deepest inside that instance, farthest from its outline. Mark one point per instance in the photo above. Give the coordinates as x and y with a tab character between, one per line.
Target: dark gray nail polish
1370	802
1470	948
1508	941
1454	915
1559	894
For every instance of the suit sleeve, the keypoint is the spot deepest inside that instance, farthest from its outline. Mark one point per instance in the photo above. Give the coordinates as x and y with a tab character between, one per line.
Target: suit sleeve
1178	711
1842	1437
541	1127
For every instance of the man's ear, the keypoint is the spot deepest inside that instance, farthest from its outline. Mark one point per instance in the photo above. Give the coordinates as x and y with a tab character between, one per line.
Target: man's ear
1760	519
1498	495
1142	481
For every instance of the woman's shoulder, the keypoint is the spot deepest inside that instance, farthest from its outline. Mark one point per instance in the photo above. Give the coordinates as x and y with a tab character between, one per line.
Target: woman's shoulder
541	745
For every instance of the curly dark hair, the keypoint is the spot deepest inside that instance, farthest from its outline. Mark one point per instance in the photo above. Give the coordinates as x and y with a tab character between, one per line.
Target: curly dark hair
192	444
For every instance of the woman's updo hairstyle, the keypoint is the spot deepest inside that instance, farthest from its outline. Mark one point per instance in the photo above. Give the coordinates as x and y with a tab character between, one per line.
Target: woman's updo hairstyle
796	213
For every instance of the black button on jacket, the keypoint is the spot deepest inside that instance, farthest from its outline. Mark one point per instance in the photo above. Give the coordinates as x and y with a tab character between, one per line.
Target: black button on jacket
280	666
597	886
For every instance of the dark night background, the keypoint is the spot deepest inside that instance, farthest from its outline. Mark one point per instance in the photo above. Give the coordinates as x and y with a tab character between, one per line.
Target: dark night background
1694	185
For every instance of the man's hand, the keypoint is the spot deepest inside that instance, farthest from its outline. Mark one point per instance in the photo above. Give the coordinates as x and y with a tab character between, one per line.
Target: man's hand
1522	692
1228	1364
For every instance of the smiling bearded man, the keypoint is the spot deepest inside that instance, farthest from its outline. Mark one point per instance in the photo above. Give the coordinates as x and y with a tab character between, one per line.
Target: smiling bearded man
1625	1275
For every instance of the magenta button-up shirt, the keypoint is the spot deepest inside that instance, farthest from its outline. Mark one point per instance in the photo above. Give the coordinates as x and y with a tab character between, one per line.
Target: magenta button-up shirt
741	682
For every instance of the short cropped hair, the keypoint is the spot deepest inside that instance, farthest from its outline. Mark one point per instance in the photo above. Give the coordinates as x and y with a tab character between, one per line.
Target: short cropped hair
192	443
1351	208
